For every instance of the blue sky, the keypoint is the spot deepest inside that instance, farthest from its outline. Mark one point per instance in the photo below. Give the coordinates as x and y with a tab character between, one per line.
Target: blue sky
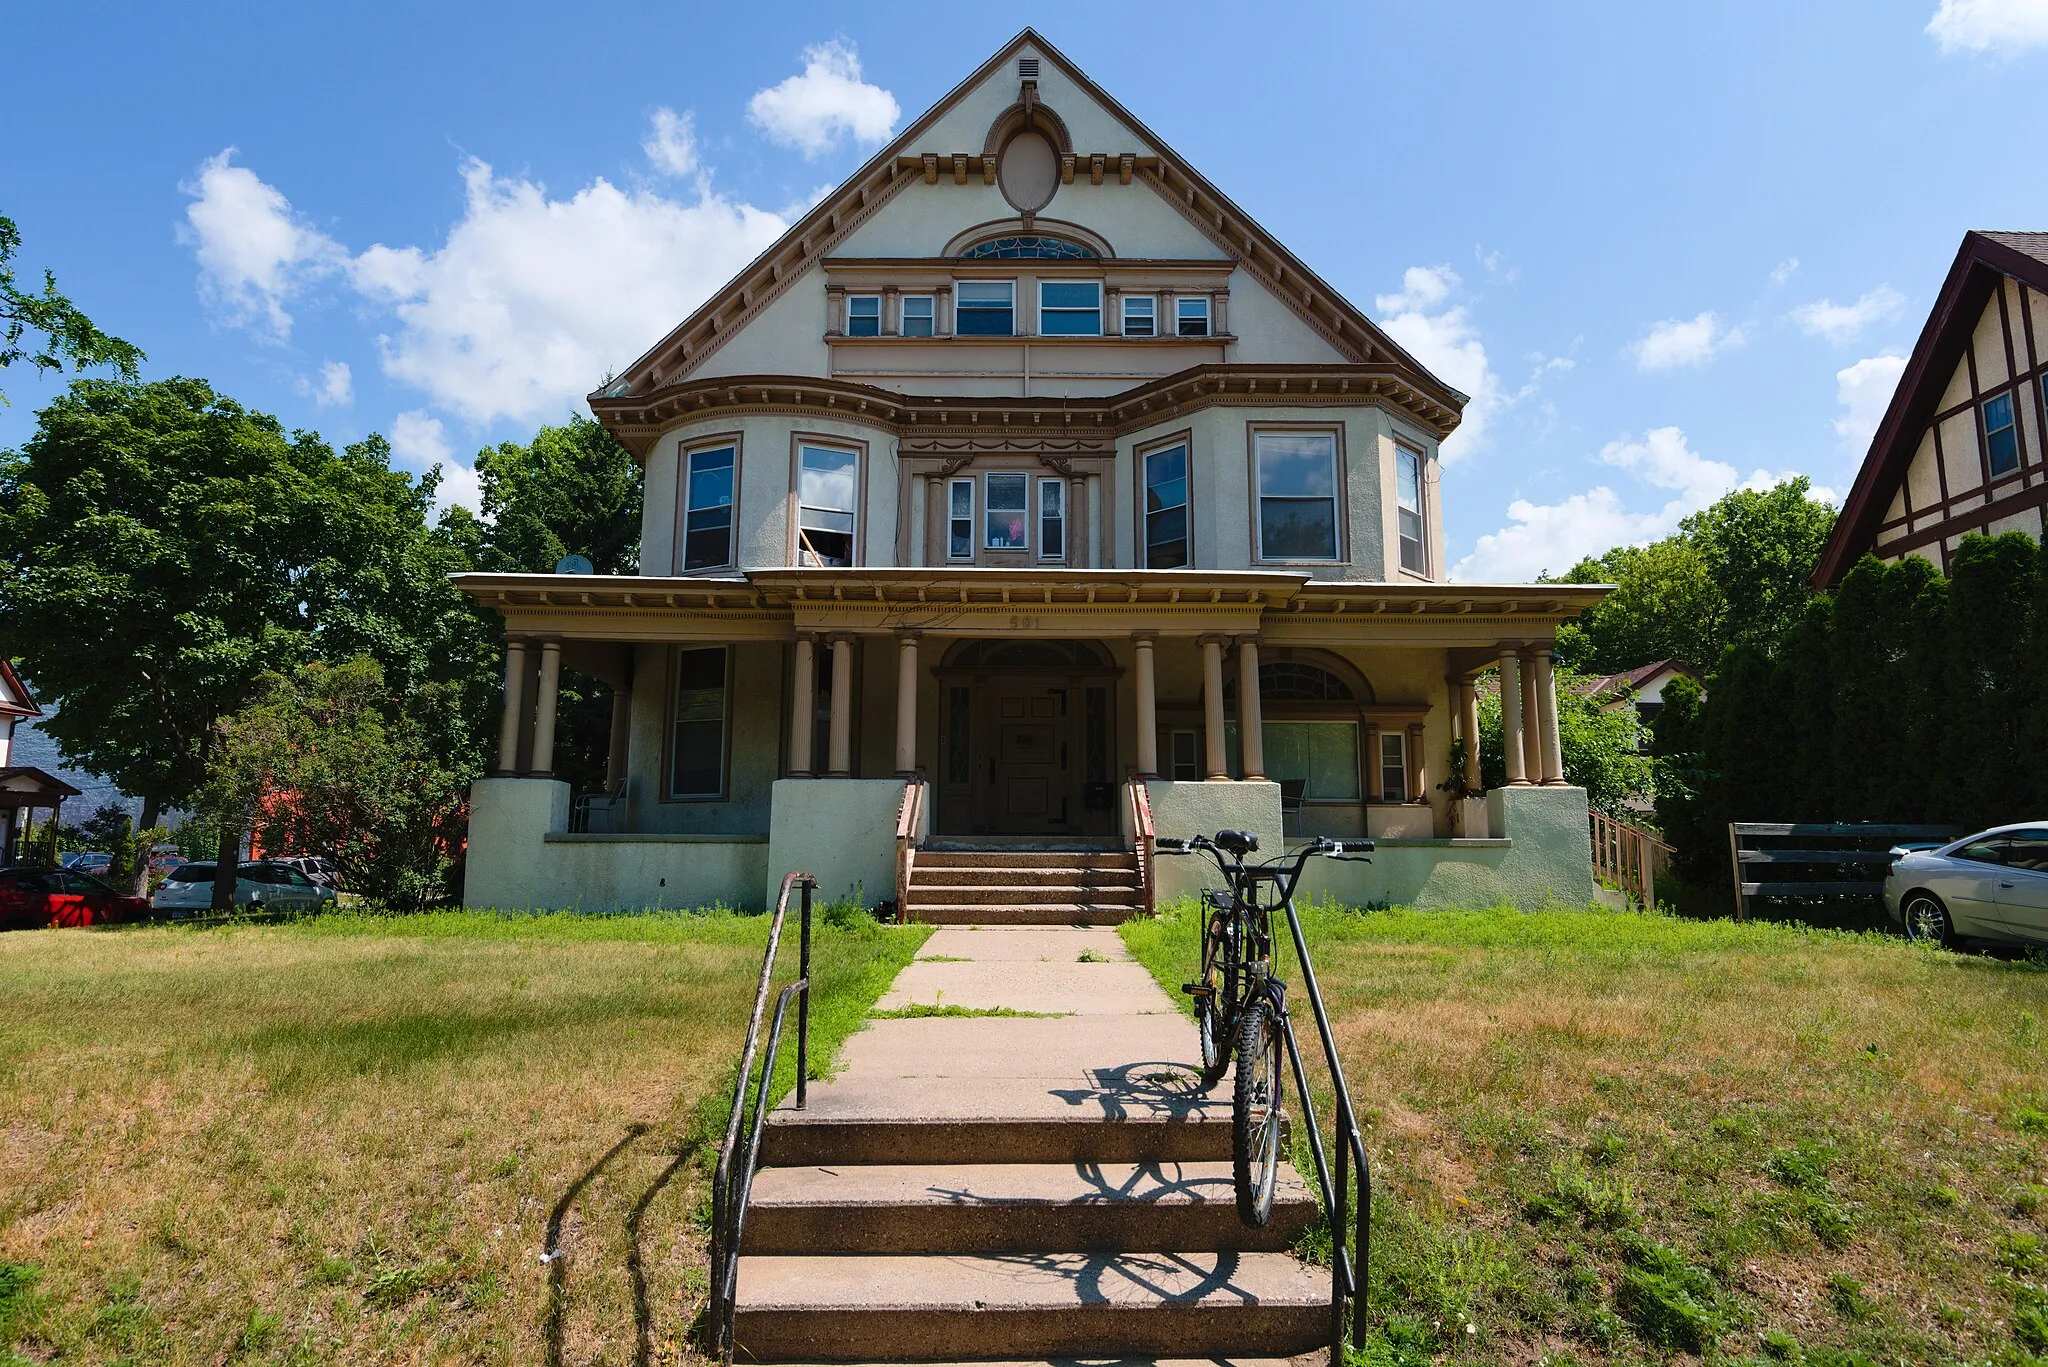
1668	249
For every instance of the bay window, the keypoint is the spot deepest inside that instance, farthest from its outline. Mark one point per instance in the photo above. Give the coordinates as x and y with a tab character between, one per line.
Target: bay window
1408	500
1007	515
1166	508
1297	495
827	497
707	507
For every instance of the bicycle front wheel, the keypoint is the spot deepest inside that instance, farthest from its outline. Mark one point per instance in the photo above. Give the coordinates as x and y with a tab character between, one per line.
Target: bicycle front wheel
1255	1122
1216	1012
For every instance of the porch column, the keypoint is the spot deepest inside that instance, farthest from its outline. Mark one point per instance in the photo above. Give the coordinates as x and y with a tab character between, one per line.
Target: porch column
508	725
1251	717
544	704
1217	765
1148	706
1468	722
1546	713
803	707
1533	762
839	736
906	704
1418	757
1511	715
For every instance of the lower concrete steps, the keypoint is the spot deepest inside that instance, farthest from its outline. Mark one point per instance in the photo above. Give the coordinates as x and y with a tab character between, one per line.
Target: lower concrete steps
1023	887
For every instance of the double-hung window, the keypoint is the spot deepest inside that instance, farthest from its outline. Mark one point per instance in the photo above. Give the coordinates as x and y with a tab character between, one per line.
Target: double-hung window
1191	316
1007	518
863	315
960	519
1408	507
1141	315
1052	519
917	315
707	507
696	765
1166	508
2001	435
1393	767
986	308
1297	490
1070	308
827	495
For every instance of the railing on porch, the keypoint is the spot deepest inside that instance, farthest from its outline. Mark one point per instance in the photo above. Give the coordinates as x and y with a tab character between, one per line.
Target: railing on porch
1625	856
733	1180
1140	800
909	818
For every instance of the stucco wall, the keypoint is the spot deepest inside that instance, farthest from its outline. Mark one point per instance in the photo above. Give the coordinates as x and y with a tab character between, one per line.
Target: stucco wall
841	829
1188	809
753	762
521	859
1544	857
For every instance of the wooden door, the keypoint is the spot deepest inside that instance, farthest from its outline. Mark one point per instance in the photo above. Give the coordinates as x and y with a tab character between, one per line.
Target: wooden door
1026	761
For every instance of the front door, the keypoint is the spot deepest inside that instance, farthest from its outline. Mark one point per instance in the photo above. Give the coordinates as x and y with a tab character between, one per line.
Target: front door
1026	773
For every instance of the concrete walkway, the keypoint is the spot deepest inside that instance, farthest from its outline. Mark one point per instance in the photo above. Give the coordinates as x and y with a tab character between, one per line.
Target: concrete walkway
1044	1183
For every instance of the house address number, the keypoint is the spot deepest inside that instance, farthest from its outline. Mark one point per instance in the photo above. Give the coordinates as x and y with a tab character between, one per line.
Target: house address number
1023	623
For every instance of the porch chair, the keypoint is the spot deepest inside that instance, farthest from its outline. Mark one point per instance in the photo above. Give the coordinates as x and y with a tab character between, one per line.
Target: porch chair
1292	790
600	813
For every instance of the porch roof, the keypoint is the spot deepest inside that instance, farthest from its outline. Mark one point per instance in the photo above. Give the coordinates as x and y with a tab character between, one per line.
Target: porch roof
774	604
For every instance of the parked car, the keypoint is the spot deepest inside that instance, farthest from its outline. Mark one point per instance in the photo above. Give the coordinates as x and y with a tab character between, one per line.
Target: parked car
33	898
317	867
1989	886
164	858
259	882
87	861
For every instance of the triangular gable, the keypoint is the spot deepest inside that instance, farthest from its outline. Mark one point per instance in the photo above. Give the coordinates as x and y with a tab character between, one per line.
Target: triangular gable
1235	233
1981	263
14	698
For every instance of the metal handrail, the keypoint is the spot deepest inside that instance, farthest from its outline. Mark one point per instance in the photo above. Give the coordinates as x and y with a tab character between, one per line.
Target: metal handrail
1347	1280
729	1204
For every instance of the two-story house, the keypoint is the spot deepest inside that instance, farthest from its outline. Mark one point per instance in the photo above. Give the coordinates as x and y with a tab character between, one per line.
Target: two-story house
1026	490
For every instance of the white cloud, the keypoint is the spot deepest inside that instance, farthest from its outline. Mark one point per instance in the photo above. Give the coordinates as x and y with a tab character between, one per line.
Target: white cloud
1865	390
824	104
1684	342
1784	270
336	386
419	441
253	250
1845	322
2007	26
671	144
531	300
1554	536
1421	287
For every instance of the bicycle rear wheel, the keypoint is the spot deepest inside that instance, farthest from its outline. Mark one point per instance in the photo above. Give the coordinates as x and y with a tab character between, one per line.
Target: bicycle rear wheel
1255	1122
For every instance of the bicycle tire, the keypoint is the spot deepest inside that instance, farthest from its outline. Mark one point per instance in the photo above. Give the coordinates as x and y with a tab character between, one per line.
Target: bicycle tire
1255	1121
1216	1014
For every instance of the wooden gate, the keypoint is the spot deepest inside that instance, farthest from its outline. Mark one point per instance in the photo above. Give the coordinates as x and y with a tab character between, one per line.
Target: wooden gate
1814	859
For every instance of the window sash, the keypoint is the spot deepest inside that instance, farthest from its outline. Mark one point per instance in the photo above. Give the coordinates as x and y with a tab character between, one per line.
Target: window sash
1141	317
1408	500
1006	503
1052	519
696	766
920	314
1297	488
1191	317
985	308
1167	545
1069	308
960	519
1184	756
2001	435
864	315
1393	767
828	498
708	491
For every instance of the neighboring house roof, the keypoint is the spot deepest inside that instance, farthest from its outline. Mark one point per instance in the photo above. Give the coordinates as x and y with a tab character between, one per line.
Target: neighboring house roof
14	696
1639	678
1982	260
861	195
22	781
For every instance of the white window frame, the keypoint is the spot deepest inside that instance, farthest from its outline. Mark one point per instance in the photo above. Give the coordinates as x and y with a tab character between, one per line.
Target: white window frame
797	496
1336	498
1173	760
1181	320
1044	309
1149	312
1403	451
989	509
903	304
953	519
853	299
2012	408
1047	517
690	455
964	309
1394	743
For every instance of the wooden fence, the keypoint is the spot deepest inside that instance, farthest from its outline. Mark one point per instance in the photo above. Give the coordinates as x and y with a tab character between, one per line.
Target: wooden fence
1625	857
1817	860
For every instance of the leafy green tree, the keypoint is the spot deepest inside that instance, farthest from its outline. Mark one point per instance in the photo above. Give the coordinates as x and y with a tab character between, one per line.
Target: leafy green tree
1665	606
1989	688
162	548
1759	547
571	490
46	329
1688	793
1602	745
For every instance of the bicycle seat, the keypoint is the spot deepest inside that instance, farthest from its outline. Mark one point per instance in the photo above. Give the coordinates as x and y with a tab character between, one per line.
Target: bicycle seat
1237	843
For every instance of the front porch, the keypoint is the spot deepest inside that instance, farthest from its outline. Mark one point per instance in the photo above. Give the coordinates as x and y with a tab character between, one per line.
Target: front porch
838	722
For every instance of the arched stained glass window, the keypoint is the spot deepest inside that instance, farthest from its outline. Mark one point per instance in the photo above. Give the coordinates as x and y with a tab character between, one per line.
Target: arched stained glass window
1028	248
1287	681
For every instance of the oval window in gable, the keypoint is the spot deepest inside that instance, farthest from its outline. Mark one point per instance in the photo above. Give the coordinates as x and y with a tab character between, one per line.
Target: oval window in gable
1028	170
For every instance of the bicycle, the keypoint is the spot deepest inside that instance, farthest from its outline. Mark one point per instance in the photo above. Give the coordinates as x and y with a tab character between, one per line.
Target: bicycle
1241	1001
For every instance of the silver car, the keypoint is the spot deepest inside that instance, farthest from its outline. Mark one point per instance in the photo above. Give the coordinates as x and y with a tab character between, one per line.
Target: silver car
1988	886
258	883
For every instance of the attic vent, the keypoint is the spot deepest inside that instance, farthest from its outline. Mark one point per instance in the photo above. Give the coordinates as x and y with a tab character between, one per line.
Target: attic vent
1027	68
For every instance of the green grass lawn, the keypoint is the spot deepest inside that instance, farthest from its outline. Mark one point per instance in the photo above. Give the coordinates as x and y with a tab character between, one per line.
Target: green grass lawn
352	1139
1604	1137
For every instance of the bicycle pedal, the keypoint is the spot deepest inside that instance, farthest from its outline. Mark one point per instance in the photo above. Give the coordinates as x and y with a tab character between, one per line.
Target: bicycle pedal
1197	990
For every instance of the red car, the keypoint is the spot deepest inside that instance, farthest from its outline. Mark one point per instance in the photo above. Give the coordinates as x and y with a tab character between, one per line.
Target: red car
32	898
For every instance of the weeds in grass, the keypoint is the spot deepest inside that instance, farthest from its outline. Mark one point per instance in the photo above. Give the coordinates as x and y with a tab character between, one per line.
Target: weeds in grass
933	1010
1092	956
1670	1302
1847	1297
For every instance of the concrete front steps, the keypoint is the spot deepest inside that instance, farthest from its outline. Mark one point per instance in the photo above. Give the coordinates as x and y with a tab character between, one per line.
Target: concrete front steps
1019	1188
1021	887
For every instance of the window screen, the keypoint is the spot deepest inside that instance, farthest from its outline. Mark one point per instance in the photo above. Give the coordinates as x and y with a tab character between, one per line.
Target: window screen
1321	754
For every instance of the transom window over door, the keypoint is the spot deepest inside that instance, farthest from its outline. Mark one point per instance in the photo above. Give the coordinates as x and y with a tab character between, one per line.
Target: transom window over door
696	767
827	496
1008	520
1166	508
707	507
1408	499
1296	474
